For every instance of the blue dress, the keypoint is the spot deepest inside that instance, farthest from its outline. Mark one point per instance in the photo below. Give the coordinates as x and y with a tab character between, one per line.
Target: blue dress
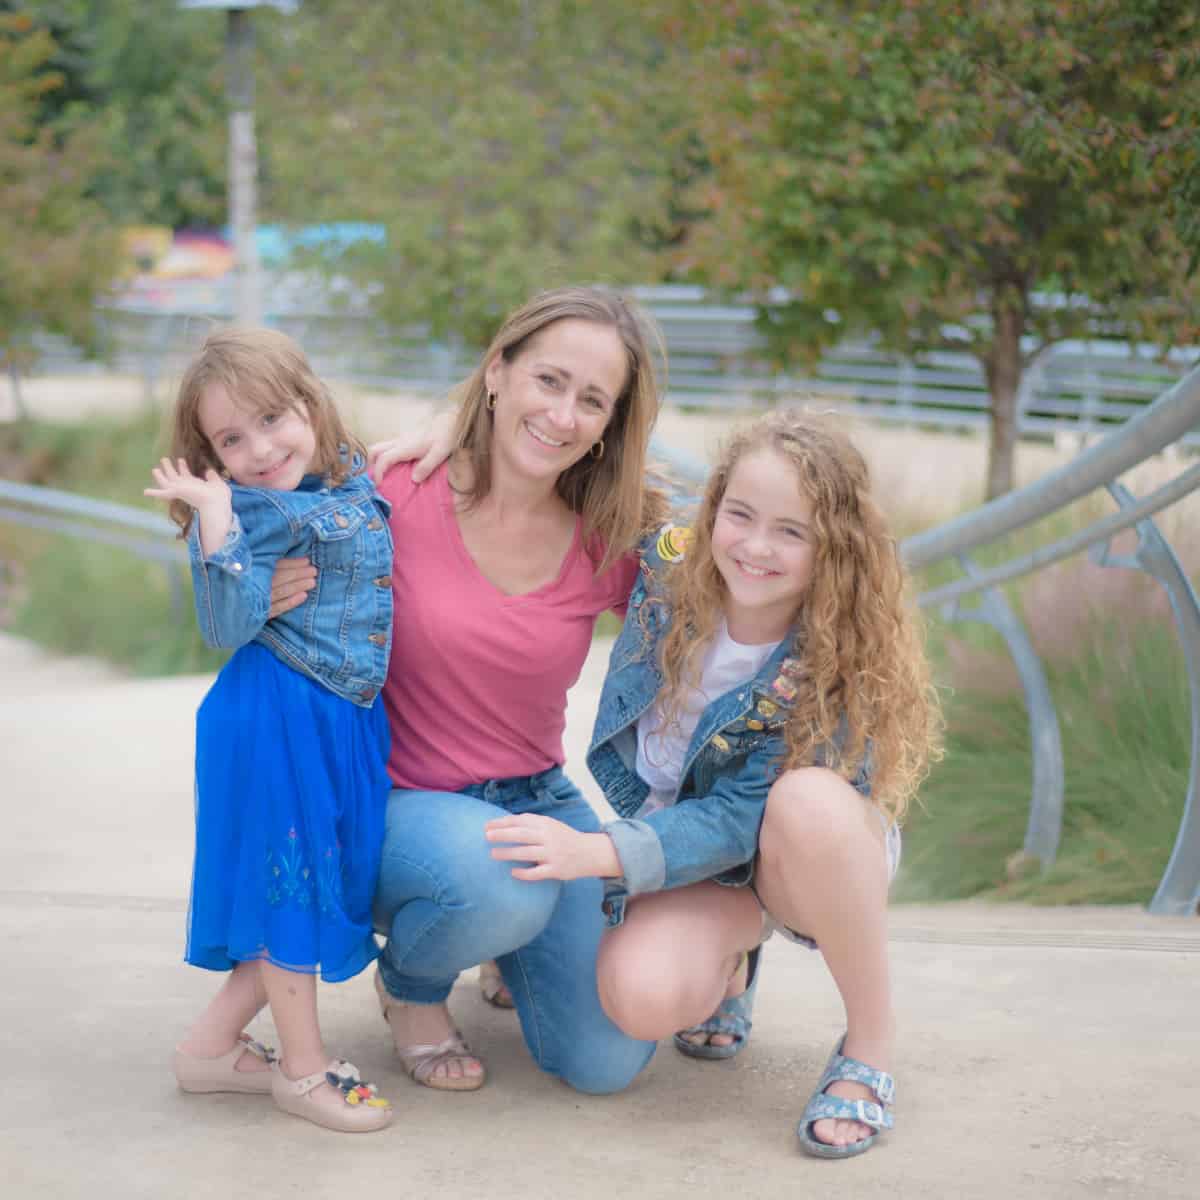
291	787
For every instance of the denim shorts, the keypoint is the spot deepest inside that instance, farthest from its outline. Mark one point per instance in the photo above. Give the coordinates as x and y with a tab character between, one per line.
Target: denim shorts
892	847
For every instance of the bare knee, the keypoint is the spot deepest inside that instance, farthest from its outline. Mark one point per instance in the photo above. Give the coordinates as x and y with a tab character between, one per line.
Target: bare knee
811	812
642	995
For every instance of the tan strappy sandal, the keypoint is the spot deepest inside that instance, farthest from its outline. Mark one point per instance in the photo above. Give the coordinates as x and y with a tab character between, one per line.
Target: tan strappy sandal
425	1062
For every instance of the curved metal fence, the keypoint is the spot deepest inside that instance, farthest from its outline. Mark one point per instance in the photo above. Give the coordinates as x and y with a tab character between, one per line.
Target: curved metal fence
1171	419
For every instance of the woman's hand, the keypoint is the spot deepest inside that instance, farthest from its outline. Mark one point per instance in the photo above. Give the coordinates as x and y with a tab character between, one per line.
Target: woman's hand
294	578
431	448
556	850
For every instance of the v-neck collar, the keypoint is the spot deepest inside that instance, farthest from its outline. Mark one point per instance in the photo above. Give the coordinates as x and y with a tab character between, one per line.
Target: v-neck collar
454	533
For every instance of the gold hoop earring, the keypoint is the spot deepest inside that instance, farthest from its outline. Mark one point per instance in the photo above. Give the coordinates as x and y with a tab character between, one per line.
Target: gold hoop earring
491	401
598	454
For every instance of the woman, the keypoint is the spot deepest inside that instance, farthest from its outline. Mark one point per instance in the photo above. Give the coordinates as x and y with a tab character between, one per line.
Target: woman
504	558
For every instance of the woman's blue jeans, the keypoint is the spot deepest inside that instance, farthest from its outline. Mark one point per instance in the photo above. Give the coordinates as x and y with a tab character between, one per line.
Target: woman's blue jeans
445	904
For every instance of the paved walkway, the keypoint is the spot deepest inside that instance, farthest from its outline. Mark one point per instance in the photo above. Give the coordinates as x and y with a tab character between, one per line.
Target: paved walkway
1042	1053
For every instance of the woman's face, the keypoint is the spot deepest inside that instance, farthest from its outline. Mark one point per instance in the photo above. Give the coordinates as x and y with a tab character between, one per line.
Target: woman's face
556	398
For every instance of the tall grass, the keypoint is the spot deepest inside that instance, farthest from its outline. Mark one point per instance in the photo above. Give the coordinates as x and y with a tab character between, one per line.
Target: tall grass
81	597
1120	688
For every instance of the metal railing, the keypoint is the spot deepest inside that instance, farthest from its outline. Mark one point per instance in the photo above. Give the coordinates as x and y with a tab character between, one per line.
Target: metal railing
146	534
1164	423
715	350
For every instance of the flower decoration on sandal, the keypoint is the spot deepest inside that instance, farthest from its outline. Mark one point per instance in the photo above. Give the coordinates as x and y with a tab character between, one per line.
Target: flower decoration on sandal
344	1076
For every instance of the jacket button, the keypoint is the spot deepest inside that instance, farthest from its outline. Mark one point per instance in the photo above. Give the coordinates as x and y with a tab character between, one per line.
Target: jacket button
340	521
382	581
374	523
235	566
378	638
720	743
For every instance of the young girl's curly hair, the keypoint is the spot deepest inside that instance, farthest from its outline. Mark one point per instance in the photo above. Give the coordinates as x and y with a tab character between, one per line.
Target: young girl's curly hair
266	371
864	686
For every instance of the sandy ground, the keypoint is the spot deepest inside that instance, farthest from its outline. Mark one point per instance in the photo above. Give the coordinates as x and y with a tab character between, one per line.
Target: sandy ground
1043	1053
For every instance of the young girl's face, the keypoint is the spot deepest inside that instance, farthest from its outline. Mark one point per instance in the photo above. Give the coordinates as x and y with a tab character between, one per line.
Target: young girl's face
763	545
259	448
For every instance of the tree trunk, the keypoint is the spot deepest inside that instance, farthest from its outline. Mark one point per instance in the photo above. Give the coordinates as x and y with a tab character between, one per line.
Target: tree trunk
1003	370
14	382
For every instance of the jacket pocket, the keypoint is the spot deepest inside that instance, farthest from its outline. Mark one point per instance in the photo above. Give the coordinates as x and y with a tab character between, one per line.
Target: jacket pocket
337	544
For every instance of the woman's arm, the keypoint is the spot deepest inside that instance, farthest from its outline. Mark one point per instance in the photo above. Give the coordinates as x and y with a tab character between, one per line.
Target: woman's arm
291	582
431	448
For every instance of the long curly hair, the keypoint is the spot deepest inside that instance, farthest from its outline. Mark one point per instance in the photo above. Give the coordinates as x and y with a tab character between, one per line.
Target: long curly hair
611	492
864	691
266	371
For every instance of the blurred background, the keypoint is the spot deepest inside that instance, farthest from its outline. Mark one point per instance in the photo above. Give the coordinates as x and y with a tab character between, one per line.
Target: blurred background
970	227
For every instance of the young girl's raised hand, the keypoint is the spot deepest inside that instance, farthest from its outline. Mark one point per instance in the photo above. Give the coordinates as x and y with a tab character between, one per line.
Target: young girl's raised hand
176	482
210	497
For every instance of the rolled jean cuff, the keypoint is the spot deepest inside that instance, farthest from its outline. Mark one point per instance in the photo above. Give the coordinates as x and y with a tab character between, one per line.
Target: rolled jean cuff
402	987
643	865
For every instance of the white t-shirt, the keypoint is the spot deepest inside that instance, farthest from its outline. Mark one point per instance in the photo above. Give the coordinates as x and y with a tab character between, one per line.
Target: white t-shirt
661	751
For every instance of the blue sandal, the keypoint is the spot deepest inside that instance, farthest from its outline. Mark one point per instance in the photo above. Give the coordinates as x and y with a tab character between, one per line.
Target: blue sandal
822	1107
733	1017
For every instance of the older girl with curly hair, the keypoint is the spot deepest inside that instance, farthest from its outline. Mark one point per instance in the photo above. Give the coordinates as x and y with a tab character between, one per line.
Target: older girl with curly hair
766	719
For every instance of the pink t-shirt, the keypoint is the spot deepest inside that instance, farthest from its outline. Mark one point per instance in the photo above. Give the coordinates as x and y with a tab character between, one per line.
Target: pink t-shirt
477	684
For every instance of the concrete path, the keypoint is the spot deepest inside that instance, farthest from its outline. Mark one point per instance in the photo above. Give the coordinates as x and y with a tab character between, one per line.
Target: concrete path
1042	1053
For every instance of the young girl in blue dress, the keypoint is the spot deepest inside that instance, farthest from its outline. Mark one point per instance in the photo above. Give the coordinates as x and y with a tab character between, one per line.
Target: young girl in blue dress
291	741
766	717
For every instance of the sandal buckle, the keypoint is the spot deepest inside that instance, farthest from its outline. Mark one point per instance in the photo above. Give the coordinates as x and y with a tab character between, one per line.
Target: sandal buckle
870	1113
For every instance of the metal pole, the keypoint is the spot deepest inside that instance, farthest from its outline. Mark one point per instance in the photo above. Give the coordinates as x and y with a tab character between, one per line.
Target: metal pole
243	167
1175	413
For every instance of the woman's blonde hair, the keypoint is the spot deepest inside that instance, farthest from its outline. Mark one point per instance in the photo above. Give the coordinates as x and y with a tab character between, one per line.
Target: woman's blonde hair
609	492
864	691
265	371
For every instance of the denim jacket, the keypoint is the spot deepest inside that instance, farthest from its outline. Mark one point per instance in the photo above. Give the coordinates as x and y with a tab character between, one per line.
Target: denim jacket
733	758
342	634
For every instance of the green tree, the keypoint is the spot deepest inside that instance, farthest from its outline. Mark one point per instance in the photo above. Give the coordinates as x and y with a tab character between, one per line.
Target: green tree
929	171
505	146
57	250
146	79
